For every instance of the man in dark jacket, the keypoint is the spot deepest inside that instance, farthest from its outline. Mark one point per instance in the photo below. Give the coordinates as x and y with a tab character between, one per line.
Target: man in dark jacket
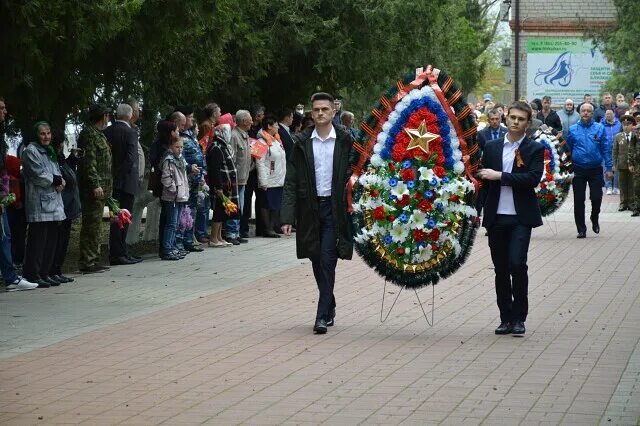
494	130
315	199
549	116
123	140
513	168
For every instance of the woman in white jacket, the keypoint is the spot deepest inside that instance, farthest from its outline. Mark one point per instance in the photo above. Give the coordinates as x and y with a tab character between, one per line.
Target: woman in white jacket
272	168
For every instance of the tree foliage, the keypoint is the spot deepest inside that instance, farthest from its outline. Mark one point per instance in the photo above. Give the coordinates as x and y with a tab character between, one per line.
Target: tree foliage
60	55
619	46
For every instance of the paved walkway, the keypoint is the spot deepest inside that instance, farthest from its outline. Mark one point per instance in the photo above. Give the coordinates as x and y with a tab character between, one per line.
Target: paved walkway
215	340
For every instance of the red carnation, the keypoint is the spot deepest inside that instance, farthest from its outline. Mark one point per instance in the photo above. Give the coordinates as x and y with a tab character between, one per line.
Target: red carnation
418	235
454	198
424	205
434	234
408	174
392	167
404	201
374	193
397	156
440	160
418	195
543	185
549	177
400	251
391	218
439	171
378	213
550	197
434	247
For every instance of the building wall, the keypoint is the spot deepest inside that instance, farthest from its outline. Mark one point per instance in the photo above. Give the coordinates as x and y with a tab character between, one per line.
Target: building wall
569	18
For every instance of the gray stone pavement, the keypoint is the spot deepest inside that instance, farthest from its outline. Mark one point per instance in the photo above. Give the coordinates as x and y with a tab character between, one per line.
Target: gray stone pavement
224	337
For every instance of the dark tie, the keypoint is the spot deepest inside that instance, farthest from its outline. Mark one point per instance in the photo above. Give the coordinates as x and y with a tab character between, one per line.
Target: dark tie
495	135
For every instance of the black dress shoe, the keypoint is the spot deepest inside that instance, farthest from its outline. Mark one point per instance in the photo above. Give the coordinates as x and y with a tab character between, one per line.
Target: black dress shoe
122	260
137	259
92	269
622	208
170	256
332	316
194	249
271	235
233	241
635	214
59	278
242	240
42	283
595	226
65	278
518	327
582	235
244	235
504	328
320	327
52	282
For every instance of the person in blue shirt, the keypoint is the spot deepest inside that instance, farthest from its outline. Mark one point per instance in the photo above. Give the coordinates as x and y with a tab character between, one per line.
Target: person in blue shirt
612	127
587	142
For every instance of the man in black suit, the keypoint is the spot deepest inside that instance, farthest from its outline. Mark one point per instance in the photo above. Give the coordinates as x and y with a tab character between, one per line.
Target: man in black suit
124	153
494	131
512	168
285	120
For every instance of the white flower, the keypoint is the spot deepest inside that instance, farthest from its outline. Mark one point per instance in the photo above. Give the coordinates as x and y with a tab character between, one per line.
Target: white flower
393	117
362	238
455	142
458	167
400	107
399	233
424	254
386	127
400	189
426	173
457	154
418	219
377	161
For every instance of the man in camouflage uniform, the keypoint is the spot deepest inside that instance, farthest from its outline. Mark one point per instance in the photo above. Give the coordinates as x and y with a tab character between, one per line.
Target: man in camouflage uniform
623	143
94	181
634	168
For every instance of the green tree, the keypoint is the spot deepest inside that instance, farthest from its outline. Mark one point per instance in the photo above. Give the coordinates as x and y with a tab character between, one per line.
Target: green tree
619	46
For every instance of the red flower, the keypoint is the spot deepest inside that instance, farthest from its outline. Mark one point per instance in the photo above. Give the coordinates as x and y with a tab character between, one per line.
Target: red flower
439	171
400	251
374	193
434	234
543	185
397	156
392	167
425	205
550	197
408	174
434	247
454	198
440	160
549	177
404	201
391	218
378	213
418	235
418	195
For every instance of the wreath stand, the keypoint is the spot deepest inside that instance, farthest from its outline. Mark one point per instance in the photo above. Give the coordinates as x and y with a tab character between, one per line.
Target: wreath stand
554	228
383	317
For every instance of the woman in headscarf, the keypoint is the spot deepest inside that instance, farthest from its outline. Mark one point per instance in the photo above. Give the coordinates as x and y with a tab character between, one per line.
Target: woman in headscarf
43	204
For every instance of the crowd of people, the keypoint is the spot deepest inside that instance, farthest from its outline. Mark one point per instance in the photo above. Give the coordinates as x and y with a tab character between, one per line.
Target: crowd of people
198	170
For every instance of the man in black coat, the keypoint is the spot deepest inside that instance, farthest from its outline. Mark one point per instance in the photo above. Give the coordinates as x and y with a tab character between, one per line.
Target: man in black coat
285	119
315	199
123	140
512	168
493	131
549	116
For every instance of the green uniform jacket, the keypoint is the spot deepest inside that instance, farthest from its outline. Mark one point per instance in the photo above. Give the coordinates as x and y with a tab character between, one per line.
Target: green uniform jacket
634	153
94	169
300	204
622	150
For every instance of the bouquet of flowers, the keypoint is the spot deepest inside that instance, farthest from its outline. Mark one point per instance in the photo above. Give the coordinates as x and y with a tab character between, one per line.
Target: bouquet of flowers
120	217
230	208
203	193
186	221
556	179
6	198
413	202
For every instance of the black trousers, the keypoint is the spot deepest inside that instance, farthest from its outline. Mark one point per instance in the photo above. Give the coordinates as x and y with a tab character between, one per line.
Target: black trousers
42	241
509	244
118	237
249	190
324	267
18	225
582	177
64	231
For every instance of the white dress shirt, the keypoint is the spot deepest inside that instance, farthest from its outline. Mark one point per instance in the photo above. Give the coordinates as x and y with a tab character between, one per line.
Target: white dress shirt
323	161
505	203
284	126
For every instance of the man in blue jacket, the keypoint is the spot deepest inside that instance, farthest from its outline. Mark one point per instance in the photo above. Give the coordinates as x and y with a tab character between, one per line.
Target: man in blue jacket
588	144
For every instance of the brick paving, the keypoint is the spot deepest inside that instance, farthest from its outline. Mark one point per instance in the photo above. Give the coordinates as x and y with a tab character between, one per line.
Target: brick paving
172	345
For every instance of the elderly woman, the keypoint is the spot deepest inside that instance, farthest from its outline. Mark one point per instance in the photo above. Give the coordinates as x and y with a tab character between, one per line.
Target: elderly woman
271	168
44	208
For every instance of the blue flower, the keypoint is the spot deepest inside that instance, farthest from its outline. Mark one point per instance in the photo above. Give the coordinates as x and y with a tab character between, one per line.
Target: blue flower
406	164
428	194
439	206
434	182
393	182
403	218
385	153
411	184
445	179
392	197
431	223
387	239
421	244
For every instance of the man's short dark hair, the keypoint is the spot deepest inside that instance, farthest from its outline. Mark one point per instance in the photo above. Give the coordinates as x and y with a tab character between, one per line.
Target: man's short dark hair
498	105
546	98
284	113
521	106
493	111
322	96
585	95
209	109
184	109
